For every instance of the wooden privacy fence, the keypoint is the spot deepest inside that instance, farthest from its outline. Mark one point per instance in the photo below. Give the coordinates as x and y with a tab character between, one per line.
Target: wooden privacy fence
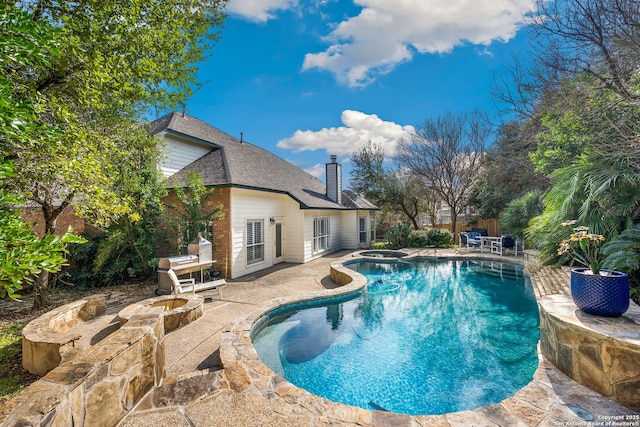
492	226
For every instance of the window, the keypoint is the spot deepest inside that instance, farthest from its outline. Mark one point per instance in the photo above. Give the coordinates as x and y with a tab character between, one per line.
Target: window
255	241
372	229
362	227
320	234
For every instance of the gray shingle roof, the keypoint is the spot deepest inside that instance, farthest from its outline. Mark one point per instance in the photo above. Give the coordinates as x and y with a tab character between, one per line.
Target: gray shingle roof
241	164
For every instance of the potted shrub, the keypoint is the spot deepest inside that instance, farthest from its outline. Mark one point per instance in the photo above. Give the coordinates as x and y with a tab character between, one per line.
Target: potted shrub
594	290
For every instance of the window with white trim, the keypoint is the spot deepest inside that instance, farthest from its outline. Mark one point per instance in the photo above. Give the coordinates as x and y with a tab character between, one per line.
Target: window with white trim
255	241
362	227
372	230
321	236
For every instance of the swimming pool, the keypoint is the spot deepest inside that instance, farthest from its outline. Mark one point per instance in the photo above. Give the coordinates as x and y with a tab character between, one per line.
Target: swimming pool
425	336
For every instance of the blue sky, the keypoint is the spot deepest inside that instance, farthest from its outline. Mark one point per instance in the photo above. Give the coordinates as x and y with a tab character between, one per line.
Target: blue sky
309	78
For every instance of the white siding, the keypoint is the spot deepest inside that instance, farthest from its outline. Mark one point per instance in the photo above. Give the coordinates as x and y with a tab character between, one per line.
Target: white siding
297	228
335	225
351	229
260	205
178	153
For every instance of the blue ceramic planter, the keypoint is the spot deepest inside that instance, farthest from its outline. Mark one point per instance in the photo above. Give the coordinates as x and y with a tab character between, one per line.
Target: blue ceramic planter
604	294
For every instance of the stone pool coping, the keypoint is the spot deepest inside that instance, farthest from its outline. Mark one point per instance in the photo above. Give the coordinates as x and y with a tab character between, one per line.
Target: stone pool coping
550	399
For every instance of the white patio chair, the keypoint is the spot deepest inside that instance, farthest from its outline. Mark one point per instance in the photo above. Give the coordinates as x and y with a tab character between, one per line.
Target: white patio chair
181	286
505	243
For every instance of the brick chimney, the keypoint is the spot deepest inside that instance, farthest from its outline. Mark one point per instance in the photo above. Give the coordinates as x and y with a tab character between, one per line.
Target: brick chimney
334	180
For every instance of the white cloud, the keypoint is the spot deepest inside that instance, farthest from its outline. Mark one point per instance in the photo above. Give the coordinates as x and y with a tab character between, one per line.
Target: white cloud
387	33
259	10
316	170
359	128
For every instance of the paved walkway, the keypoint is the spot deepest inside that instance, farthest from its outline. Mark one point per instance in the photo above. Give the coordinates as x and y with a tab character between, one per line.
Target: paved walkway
196	391
194	349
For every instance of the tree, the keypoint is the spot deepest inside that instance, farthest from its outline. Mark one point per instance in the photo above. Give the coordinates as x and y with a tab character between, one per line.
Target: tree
599	184
446	152
595	38
598	38
392	191
194	216
506	172
117	60
128	247
23	256
585	87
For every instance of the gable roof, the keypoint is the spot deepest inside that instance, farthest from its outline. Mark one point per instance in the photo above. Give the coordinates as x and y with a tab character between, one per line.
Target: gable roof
241	164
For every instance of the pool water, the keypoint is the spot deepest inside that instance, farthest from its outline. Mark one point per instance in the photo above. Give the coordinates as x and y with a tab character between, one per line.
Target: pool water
383	254
425	336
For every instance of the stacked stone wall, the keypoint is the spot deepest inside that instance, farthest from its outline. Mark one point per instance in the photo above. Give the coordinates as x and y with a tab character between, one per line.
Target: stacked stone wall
599	352
100	386
47	340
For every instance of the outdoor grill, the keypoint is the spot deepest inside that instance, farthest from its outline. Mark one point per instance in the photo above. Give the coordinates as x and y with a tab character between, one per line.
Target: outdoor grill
200	258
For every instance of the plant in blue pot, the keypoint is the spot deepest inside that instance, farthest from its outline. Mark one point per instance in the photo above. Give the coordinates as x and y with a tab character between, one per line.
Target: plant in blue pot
594	290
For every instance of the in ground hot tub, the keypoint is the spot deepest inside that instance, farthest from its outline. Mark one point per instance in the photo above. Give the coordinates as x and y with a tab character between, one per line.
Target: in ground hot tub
383	254
179	310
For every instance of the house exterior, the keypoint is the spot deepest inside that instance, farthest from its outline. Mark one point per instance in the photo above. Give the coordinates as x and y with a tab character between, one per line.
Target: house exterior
273	211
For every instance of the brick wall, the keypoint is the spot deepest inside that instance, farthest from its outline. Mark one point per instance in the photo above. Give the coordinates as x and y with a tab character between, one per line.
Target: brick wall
68	217
221	229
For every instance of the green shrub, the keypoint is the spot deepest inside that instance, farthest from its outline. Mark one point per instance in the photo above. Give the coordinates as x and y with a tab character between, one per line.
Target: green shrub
125	251
623	254
81	258
379	245
430	238
397	236
439	237
418	239
515	217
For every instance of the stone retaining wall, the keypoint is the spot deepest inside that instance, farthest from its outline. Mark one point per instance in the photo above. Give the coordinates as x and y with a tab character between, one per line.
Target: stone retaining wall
47	339
601	353
99	387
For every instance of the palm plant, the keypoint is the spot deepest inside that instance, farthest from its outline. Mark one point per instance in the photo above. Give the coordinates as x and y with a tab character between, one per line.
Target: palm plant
601	193
623	253
516	215
398	235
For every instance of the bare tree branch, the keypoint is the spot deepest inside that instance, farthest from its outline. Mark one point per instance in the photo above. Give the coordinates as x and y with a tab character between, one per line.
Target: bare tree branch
446	152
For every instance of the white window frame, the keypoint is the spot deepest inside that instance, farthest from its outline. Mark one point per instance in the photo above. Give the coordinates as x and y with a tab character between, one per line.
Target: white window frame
372	228
362	233
321	234
254	241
